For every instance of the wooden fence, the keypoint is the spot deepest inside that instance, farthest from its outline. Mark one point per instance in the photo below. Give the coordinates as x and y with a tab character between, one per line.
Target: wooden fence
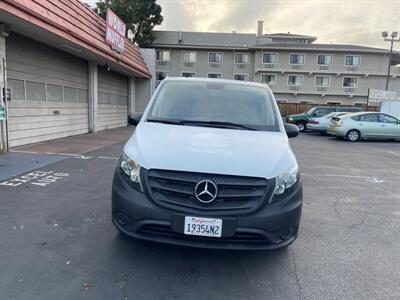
296	108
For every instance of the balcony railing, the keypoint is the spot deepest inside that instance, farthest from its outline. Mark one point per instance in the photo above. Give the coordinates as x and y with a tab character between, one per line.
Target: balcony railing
270	66
242	66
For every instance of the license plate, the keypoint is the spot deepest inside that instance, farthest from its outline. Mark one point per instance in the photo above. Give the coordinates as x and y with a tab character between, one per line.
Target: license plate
203	226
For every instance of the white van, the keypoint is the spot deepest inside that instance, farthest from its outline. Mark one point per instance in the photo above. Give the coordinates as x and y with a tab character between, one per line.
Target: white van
209	165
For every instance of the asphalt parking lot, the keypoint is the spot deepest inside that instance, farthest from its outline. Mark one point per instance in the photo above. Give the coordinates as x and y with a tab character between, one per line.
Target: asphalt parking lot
57	240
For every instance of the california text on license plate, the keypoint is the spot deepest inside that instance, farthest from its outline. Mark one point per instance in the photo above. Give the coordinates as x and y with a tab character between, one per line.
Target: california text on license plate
203	226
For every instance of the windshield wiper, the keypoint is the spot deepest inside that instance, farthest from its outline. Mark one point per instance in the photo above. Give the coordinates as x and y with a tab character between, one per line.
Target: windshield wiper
218	123
165	121
201	123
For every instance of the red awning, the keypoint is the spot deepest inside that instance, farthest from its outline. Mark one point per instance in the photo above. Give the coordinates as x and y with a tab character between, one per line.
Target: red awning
73	21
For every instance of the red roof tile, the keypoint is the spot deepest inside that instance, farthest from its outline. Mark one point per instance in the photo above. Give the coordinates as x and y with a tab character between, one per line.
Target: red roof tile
73	20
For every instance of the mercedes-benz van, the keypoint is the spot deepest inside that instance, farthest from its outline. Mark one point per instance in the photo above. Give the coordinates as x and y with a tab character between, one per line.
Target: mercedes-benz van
209	165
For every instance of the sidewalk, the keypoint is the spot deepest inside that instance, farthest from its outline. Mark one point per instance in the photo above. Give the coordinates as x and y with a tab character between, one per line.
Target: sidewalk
78	144
23	159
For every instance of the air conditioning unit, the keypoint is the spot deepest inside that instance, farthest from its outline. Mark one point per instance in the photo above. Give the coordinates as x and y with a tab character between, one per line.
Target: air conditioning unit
294	87
241	66
352	68
214	65
349	90
162	63
324	67
321	89
269	66
296	67
189	64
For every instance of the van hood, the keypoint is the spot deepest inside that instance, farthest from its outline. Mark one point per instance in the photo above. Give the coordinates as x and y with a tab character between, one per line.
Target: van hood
210	150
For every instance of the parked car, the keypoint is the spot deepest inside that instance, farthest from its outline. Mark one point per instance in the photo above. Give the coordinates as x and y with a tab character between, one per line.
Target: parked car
321	124
366	125
209	165
301	119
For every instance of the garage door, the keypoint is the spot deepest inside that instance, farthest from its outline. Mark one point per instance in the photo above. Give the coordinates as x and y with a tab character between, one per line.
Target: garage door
112	110
49	97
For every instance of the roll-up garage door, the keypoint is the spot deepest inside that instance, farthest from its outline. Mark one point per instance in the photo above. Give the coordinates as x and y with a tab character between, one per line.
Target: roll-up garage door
112	109
49	96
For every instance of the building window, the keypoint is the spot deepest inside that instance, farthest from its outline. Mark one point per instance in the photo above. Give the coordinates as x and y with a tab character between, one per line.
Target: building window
17	89
306	101
241	58
352	60
359	103
70	94
214	75
322	81
282	101
188	74
295	80
333	103
35	91
350	82
324	59
162	55
269	79
215	57
82	96
189	56
161	75
241	77
296	59
269	58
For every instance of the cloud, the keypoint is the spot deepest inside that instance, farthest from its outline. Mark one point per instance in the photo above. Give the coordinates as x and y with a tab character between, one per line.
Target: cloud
337	21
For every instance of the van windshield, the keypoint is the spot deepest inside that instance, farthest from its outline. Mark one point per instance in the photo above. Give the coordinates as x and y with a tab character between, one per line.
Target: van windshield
215	104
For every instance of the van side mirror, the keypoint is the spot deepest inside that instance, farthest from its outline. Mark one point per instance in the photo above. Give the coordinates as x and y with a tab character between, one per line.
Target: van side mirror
291	130
134	118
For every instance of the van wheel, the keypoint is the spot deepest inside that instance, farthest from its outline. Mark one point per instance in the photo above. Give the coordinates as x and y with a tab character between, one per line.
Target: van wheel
353	135
301	125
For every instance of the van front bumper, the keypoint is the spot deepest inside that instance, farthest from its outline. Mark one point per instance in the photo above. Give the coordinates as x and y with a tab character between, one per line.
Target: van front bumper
272	226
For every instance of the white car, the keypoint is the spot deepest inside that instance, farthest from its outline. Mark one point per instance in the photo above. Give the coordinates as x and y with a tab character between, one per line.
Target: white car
209	165
321	124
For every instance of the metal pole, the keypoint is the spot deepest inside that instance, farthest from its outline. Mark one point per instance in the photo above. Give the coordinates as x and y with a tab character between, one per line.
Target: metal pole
390	60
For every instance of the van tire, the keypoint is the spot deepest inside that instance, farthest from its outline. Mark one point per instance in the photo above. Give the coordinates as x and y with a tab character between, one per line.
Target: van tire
301	125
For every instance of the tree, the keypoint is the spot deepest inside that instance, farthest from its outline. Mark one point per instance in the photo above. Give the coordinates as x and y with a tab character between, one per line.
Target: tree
140	17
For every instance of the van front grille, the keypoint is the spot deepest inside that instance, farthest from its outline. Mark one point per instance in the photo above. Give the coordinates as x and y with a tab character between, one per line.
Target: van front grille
177	188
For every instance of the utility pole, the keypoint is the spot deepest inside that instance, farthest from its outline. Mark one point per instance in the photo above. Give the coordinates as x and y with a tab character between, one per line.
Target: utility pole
393	38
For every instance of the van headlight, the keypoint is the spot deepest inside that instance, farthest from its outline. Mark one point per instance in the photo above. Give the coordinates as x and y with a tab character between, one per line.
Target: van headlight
286	181
131	169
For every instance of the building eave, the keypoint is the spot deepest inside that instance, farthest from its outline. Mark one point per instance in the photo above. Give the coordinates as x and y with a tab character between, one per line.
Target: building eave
39	15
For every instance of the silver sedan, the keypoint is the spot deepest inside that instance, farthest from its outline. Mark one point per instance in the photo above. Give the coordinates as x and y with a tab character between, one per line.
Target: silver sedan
365	125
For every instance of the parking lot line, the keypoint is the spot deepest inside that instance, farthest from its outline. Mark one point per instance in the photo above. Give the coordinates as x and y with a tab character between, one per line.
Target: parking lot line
367	178
397	153
107	157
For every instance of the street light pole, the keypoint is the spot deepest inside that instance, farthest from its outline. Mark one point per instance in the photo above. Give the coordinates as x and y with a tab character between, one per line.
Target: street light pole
392	40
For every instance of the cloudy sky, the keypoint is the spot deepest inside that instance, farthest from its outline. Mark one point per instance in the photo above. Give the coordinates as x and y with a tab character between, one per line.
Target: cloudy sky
336	21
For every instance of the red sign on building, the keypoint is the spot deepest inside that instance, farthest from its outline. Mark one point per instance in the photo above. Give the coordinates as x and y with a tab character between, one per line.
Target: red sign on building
115	31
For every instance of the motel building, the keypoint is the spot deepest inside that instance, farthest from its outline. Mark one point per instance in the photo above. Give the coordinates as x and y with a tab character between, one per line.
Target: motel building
60	75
